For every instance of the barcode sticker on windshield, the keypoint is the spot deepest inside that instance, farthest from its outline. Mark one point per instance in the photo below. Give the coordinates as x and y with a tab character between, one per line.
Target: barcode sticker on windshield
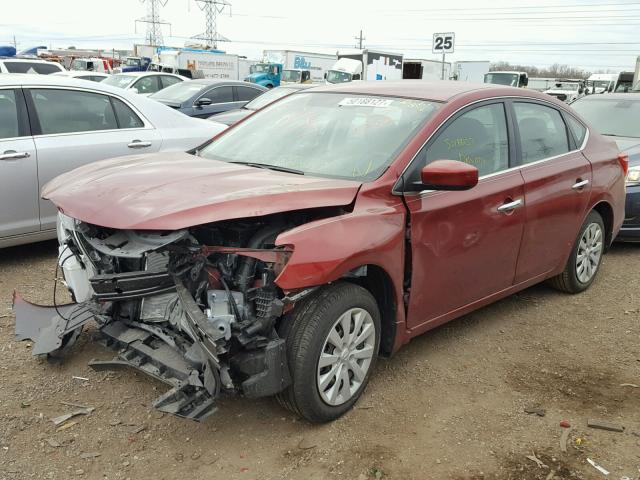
365	102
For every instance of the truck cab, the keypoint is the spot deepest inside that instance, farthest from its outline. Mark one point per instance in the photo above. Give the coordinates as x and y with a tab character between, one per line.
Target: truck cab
135	64
296	75
344	70
265	74
93	64
511	79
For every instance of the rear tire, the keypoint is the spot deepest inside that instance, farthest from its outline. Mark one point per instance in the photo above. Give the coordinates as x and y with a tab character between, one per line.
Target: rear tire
332	344
585	258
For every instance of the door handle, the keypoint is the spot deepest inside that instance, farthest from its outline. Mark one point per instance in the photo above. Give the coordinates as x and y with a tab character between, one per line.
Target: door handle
508	207
580	184
13	155
139	144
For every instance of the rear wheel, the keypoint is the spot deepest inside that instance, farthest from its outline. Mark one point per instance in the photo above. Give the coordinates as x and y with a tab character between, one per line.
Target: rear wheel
586	256
332	344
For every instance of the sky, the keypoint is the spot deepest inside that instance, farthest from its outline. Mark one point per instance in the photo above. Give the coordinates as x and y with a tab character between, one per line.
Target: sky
595	35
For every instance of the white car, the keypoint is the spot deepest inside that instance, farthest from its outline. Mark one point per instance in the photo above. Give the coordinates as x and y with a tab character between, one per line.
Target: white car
50	125
29	65
144	83
84	75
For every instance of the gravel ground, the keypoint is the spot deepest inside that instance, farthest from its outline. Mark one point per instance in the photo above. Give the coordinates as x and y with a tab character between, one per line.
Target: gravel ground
449	405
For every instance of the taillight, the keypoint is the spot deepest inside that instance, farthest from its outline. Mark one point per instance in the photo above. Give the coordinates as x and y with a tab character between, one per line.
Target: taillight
624	162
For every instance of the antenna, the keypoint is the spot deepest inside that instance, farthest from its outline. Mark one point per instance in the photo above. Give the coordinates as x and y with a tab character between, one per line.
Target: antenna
154	22
212	8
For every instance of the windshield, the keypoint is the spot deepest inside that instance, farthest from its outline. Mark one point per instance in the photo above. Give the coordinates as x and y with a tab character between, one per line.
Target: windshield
569	87
44	68
121	81
325	134
291	76
510	79
611	116
178	93
80	65
269	97
334	76
132	62
259	68
601	83
539	84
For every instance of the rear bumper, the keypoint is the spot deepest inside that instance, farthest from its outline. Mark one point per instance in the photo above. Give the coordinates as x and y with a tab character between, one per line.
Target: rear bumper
630	231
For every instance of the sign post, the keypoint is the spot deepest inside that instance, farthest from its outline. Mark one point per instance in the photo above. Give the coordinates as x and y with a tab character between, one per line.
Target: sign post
443	43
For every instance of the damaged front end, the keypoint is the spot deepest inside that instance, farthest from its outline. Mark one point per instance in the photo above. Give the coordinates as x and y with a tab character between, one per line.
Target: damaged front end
197	309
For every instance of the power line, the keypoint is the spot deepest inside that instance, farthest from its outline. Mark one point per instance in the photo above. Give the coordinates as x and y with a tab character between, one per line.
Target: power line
154	22
360	39
519	7
212	8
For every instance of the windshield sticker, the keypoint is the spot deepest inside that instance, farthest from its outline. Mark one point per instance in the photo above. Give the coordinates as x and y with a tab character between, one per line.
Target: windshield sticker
365	102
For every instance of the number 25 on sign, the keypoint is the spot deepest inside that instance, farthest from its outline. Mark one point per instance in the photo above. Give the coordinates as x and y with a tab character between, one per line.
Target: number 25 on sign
443	42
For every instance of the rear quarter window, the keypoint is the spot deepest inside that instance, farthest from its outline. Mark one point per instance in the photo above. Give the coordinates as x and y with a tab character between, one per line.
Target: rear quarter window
578	130
32	67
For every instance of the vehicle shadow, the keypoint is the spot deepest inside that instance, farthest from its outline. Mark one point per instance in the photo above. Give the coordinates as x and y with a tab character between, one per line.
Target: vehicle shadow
28	253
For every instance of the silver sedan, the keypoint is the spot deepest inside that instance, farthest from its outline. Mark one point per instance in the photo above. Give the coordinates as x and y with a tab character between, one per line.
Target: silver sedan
50	125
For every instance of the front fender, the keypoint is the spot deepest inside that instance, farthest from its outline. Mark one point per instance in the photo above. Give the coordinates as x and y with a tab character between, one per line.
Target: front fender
326	249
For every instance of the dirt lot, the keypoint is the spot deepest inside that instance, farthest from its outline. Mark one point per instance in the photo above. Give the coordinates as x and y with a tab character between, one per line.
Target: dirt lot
449	405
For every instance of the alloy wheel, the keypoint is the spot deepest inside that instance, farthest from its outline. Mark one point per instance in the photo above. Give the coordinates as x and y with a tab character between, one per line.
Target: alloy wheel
589	253
346	356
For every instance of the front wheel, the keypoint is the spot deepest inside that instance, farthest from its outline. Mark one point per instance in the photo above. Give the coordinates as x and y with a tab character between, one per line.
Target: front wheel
586	256
332	345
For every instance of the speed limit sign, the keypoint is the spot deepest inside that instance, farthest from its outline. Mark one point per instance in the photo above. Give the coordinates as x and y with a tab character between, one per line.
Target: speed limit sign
443	42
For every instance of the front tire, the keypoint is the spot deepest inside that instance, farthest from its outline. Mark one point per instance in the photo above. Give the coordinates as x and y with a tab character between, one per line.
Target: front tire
585	259
332	345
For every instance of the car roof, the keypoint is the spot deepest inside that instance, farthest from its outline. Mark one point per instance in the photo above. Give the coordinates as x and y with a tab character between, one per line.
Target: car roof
439	90
36	80
144	74
631	96
30	60
79	73
213	81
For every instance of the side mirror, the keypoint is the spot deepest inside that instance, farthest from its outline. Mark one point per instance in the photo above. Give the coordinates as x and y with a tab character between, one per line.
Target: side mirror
203	102
325	75
449	175
135	90
580	90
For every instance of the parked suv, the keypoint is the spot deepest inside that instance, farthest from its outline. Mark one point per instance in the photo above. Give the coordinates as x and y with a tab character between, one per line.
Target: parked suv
29	65
328	228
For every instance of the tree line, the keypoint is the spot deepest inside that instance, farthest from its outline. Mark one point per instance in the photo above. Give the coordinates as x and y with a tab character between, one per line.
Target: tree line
554	71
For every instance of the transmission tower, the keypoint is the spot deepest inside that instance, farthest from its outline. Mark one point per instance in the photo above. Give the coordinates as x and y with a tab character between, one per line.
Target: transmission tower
212	8
154	22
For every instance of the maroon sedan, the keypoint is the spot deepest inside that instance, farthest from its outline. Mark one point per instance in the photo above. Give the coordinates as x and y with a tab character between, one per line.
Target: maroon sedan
326	229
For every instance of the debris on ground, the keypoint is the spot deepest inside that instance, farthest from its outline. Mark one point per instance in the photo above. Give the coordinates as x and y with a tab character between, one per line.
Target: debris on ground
602	470
90	455
53	443
67	416
83	379
565	424
535	459
563	439
65	426
602	425
541	412
632	385
306	444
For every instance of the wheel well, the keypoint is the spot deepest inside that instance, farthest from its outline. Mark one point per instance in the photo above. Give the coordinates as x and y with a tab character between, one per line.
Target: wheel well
378	282
606	212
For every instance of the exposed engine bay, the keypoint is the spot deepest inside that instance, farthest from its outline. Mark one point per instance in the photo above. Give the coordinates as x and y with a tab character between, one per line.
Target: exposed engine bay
197	309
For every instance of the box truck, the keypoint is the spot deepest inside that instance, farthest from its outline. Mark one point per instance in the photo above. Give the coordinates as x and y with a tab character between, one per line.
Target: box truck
365	65
470	71
423	69
295	63
200	63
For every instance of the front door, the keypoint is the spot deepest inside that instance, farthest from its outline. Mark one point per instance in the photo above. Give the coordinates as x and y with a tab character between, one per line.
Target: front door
18	168
465	244
557	186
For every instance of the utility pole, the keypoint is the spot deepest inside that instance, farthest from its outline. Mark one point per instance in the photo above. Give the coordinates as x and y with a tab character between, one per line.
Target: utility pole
15	44
154	22
360	39
212	8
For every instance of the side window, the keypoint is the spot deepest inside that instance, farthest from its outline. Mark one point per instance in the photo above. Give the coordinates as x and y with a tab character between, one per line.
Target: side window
65	111
478	137
220	94
147	84
43	68
126	117
543	133
167	81
579	131
247	93
8	114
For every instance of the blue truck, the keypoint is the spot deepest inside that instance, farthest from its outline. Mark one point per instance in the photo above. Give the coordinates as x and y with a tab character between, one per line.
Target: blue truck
135	64
265	74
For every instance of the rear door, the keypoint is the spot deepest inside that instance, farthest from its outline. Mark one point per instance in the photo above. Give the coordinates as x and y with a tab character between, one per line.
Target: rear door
18	167
465	244
73	127
221	100
557	180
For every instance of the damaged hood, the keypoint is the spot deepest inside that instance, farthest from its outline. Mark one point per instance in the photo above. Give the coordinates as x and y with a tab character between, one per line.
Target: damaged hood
171	191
